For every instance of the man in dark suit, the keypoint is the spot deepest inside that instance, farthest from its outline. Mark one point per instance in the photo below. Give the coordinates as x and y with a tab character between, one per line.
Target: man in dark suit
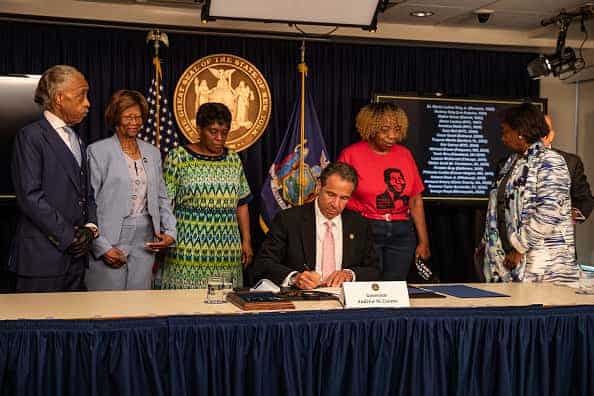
581	195
320	243
49	169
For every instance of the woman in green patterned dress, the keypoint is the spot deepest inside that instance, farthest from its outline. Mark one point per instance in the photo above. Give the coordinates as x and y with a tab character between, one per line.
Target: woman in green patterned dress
210	196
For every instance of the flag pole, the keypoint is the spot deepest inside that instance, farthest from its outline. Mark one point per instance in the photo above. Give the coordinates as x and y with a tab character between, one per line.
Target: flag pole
303	71
157	64
157	37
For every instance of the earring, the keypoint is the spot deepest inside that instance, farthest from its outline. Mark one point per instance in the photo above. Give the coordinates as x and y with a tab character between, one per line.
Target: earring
520	137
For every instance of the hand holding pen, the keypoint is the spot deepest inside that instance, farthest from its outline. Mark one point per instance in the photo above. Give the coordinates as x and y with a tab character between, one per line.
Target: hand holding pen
308	279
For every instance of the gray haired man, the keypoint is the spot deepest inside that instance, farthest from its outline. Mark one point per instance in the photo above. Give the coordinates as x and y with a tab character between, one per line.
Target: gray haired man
51	180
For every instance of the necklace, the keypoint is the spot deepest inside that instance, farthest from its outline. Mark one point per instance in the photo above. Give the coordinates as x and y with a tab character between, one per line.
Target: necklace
131	150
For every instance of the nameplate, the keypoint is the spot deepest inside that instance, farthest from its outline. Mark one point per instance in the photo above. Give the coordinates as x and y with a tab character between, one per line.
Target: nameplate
375	294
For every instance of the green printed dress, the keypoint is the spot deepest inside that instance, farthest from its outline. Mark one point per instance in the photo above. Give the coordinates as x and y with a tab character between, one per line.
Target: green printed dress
206	192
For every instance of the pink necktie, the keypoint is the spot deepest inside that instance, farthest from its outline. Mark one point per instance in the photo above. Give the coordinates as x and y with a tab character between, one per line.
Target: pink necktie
328	259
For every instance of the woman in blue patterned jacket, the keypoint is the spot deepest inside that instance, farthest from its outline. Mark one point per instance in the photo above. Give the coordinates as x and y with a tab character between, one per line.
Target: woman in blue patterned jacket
529	234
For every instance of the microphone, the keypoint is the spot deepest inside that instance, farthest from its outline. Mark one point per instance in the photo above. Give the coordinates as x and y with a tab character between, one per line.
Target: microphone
566	16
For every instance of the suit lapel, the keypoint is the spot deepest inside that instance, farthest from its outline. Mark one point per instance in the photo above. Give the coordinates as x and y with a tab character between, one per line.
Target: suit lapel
308	236
119	161
121	156
148	168
349	236
63	153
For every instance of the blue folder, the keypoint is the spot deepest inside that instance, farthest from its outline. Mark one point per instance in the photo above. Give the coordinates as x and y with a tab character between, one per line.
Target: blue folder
419	292
463	291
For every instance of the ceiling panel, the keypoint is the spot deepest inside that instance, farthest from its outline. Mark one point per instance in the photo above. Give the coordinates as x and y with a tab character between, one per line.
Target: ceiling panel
449	3
499	20
401	14
514	23
543	6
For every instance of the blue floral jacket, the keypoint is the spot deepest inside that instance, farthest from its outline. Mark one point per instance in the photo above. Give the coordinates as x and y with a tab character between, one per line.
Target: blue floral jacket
537	217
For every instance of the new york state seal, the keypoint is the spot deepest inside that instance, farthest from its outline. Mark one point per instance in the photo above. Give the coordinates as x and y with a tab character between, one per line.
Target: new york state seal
230	80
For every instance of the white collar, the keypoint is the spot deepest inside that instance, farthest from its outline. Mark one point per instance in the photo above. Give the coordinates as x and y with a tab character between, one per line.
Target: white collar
56	122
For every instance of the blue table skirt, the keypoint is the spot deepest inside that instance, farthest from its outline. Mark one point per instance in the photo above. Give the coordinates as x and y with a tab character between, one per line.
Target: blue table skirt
494	351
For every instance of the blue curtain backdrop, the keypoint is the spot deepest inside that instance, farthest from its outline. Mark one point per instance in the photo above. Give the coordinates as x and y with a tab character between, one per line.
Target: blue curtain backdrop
341	78
494	351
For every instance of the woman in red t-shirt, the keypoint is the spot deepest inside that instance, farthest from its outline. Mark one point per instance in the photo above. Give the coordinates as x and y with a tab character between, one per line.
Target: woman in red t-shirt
389	190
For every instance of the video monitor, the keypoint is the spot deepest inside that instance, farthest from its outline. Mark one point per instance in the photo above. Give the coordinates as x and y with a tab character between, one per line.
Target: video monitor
17	109
456	142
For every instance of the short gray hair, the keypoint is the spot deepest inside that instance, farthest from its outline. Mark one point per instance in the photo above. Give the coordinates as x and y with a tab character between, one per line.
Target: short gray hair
50	82
342	169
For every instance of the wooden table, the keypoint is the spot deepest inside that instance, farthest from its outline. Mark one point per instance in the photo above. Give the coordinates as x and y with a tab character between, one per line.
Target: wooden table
172	343
155	303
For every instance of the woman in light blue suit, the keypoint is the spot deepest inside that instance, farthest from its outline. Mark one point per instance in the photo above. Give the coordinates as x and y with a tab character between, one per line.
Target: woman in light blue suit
133	210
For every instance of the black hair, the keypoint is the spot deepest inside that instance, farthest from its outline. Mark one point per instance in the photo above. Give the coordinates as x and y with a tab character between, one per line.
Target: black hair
342	169
527	120
213	113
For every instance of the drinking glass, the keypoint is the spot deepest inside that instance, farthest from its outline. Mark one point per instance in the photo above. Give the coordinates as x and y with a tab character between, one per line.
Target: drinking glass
586	281
214	290
227	285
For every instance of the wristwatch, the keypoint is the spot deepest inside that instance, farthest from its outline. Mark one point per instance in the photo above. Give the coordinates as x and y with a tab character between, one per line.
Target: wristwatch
293	279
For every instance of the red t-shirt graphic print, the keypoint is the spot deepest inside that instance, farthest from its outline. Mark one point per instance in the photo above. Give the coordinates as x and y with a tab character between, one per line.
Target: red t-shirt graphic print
386	181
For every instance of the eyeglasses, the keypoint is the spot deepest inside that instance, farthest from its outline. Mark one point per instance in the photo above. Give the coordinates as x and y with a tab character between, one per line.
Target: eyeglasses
131	118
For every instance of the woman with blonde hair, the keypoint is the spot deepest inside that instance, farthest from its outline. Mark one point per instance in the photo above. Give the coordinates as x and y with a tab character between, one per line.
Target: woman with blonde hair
390	188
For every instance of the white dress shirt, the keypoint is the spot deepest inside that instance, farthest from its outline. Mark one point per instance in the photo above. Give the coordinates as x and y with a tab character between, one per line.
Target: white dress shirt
59	126
321	232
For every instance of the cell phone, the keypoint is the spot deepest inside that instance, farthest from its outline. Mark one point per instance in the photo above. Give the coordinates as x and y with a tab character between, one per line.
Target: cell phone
578	215
587	268
422	268
149	246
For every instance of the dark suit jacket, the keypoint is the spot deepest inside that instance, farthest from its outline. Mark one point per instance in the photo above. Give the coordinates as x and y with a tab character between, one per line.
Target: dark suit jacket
54	195
291	245
581	195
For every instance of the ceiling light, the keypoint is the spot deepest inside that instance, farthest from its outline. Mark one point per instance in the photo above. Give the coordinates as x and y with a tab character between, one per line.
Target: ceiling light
557	64
350	13
563	62
422	14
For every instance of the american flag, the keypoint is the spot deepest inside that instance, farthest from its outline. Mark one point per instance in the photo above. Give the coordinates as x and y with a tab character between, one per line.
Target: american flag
168	136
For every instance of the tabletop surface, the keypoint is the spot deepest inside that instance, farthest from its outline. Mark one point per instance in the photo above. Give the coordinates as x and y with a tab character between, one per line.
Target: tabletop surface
155	303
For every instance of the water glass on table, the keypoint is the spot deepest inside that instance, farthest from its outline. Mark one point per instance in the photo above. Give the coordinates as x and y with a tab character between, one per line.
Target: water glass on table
586	281
217	288
227	283
214	290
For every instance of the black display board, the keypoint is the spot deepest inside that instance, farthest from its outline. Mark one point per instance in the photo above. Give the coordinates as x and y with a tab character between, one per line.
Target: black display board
456	142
